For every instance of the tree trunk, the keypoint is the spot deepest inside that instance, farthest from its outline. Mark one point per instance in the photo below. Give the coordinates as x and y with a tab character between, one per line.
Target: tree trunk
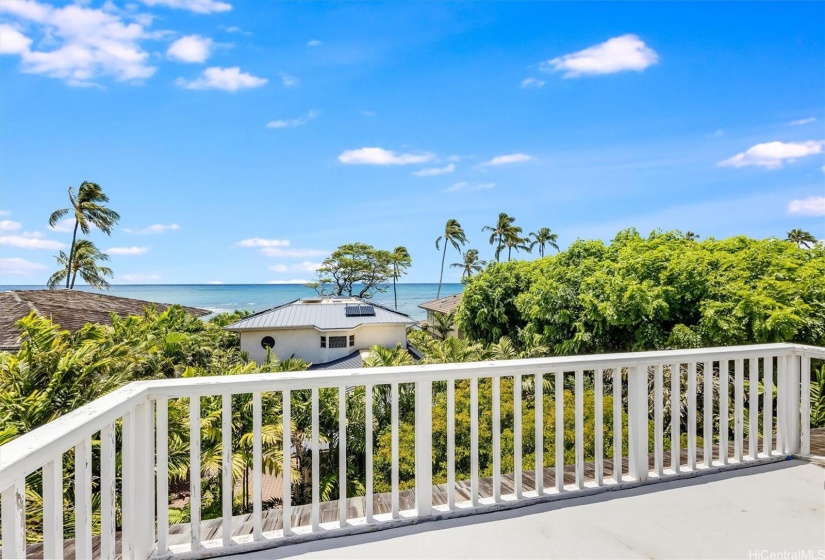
441	278
71	253
394	293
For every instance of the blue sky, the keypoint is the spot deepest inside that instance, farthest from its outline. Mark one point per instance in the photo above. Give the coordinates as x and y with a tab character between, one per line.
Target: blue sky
243	141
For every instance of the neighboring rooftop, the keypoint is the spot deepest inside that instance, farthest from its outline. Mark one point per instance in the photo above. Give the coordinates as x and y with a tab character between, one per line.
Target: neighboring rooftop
71	309
443	305
322	314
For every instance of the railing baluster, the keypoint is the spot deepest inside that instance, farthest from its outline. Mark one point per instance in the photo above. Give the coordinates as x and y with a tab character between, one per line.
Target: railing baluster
162	471
474	440
579	400
342	456
423	448
738	414
13	509
226	468
128	482
517	440
368	445
496	398
195	471
707	422
781	402
691	411
805	412
767	406
753	403
538	400
598	389
675	416
724	391
316	464
257	466
617	424
658	421
559	442
451	444
286	467
53	508
394	437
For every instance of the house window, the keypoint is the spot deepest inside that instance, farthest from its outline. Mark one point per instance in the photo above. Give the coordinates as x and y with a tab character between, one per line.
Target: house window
352	340
267	342
323	342
337	342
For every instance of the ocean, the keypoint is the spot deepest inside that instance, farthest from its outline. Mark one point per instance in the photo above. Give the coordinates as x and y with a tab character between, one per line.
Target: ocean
219	298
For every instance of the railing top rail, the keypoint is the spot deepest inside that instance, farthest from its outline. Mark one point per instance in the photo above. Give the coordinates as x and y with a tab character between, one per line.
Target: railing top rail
30	451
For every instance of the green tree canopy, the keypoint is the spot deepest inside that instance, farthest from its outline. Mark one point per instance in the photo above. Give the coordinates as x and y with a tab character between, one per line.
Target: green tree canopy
355	269
662	291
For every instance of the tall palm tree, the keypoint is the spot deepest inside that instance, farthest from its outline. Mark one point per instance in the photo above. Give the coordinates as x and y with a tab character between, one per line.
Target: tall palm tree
89	210
83	261
470	264
400	261
543	237
453	235
803	239
500	231
514	240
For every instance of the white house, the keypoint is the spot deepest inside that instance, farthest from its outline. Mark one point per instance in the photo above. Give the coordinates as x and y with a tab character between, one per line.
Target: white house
322	330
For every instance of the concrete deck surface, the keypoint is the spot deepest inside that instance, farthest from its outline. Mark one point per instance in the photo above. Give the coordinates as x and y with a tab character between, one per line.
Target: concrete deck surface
759	513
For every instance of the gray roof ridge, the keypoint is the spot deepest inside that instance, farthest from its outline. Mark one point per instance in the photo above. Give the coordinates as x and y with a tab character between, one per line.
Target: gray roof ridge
257	313
25	302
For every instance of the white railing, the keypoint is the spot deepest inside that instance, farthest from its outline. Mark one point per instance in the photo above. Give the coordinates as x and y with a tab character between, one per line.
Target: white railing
139	413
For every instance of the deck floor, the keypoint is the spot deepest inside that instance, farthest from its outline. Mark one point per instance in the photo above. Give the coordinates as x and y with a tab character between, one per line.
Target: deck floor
356	506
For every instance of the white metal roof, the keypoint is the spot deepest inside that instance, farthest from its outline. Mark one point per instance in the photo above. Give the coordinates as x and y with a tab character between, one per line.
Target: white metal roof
328	314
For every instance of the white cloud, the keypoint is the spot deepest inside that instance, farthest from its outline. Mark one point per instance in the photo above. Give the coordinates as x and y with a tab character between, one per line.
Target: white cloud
4	213
430	171
83	43
288	80
368	113
507	159
226	79
465	186
154	228
215	282
300	121
306	266
809	120
127	250
19	267
532	83
191	48
9	225
30	241
260	242
380	156
718	133
618	54
295	281
197	6
139	277
66	225
293	253
12	41
811	206
314	43
234	29
772	155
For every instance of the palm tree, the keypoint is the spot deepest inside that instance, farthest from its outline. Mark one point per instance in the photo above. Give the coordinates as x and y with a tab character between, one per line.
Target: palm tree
513	240
400	261
88	211
692	236
453	235
543	237
82	261
499	231
470	264
803	239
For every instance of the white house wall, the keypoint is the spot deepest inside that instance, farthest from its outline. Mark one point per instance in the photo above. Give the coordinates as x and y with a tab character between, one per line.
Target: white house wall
305	343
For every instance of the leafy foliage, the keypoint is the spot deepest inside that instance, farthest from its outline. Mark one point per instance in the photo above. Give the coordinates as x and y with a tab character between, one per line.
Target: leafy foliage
361	265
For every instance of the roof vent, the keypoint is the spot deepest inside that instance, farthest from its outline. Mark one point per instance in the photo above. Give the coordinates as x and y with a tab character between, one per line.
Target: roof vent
360	310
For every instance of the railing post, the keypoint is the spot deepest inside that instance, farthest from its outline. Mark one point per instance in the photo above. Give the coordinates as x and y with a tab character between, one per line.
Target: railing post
424	448
792	403
637	421
14	520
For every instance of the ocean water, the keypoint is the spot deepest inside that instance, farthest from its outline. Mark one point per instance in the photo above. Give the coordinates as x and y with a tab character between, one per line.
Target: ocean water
257	297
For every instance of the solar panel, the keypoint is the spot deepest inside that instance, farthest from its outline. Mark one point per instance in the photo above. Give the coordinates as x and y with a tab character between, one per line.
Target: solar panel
358	310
